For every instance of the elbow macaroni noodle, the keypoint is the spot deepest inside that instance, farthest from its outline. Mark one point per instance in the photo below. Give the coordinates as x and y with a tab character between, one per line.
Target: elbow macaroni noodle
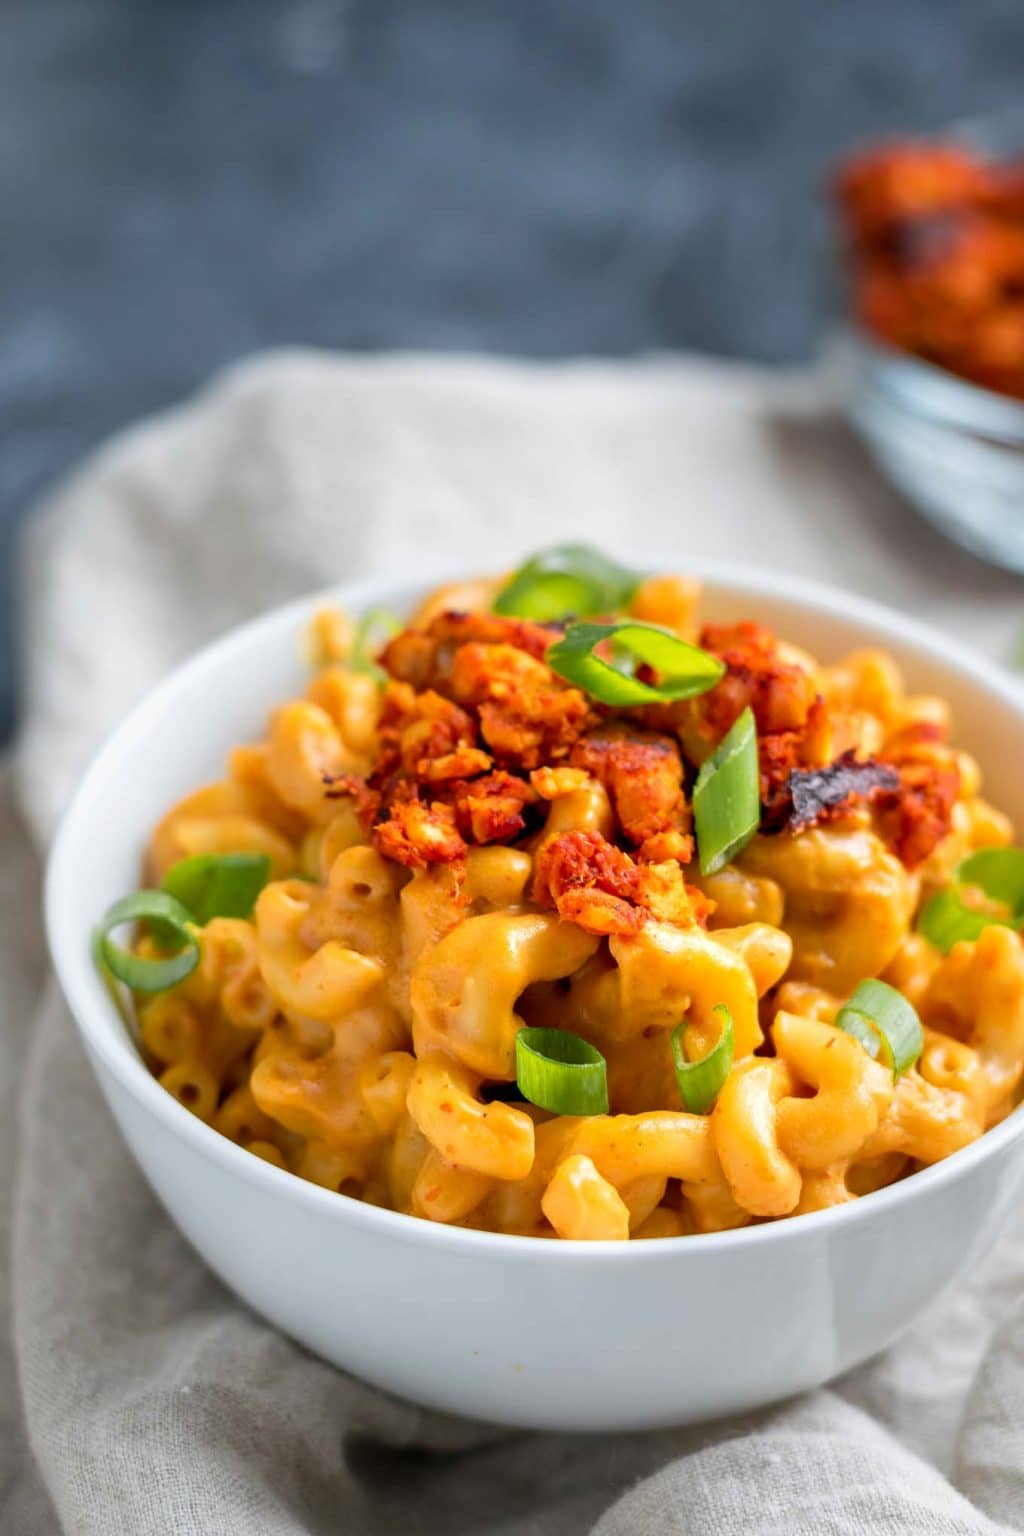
359	1029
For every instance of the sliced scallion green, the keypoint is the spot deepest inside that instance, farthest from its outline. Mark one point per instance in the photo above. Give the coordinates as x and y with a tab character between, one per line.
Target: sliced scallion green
885	1023
998	873
727	796
683	670
173	925
700	1082
569	581
945	920
559	1071
218	884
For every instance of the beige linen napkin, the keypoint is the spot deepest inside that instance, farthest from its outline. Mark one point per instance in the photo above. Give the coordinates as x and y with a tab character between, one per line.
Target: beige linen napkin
148	1400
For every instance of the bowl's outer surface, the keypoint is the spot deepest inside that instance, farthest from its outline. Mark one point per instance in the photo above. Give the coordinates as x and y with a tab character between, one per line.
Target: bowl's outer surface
954	450
539	1334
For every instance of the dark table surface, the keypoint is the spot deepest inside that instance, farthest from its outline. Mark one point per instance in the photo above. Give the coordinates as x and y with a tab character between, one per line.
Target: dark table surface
185	181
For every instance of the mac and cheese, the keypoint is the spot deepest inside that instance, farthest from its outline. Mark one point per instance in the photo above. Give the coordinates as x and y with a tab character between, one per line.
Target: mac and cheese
465	843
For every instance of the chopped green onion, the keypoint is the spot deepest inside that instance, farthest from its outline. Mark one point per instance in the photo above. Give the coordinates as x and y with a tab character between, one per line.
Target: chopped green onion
171	921
569	581
218	884
946	919
999	872
372	632
884	1022
700	1082
558	1070
727	796
683	669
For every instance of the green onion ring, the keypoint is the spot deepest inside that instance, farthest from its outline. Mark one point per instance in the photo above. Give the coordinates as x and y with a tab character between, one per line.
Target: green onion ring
560	1071
373	630
217	884
683	669
172	921
946	919
884	1023
569	581
727	796
700	1082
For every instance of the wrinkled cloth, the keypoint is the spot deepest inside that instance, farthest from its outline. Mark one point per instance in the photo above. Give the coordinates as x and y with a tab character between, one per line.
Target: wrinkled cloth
138	1396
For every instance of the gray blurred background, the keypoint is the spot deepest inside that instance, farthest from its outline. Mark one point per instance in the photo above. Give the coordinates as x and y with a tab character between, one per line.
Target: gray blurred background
185	181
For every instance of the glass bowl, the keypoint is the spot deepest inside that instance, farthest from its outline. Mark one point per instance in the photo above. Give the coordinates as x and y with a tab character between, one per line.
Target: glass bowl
952	448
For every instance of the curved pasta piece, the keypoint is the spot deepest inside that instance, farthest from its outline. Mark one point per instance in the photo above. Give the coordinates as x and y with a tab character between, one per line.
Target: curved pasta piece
629	1003
866	1174
713	1207
866	679
849	902
950	1064
515	1205
812	1002
193	1084
670	601
445	1193
384	1087
228	817
171	1027
323	843
229	972
492	1139
766	952
977	995
241	1119
663	1222
822	1189
666	972
925	1122
665	1143
358	907
912	968
582	806
306	751
325	984
464	990
215	1015
343	1169
442	895
641	1196
583	1206
762	1178
740	897
352	700
321	1097
853	1092
408	1152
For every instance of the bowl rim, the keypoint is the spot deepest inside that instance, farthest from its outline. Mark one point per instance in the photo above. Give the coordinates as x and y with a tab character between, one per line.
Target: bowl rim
122	1061
939	395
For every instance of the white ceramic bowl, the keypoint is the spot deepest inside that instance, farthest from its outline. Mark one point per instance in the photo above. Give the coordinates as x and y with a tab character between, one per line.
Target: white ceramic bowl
545	1335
